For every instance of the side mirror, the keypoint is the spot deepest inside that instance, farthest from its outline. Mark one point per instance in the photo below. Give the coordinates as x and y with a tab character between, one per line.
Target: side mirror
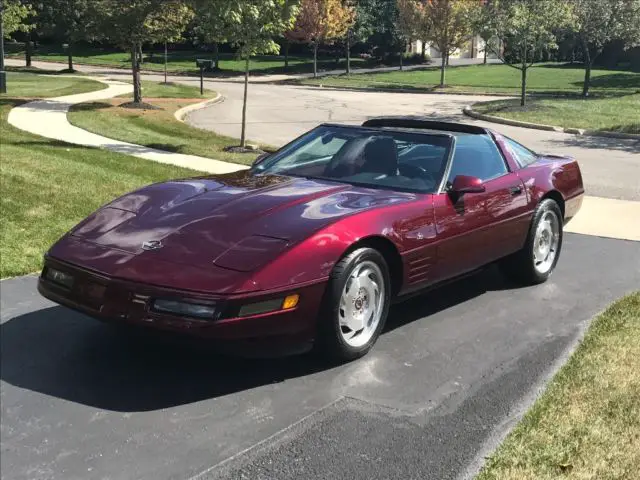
260	158
466	184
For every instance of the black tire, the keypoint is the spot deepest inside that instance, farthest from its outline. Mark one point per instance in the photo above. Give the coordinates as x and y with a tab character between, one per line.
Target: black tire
520	266
329	342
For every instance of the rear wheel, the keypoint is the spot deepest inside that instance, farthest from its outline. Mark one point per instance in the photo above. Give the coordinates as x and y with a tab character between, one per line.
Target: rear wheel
538	259
355	306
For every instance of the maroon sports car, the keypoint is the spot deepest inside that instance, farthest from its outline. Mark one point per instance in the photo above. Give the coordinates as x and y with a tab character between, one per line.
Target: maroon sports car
310	246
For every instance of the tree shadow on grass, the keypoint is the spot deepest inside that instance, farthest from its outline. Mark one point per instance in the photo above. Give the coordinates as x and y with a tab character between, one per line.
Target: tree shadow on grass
167	147
90	106
625	81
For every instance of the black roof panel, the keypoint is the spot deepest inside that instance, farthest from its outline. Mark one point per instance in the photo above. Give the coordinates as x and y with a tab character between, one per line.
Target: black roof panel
423	123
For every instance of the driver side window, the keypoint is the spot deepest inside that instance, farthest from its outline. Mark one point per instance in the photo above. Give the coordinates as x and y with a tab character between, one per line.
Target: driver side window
476	156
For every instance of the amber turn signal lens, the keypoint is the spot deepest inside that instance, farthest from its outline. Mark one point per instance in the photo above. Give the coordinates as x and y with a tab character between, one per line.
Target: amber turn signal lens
290	302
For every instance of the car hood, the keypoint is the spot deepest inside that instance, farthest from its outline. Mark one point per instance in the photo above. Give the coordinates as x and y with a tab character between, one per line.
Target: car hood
237	221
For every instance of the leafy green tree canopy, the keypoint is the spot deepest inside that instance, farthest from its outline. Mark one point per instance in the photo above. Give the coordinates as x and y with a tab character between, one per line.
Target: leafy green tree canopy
14	17
527	27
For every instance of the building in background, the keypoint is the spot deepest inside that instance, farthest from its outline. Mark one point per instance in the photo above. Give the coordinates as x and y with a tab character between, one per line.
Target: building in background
473	49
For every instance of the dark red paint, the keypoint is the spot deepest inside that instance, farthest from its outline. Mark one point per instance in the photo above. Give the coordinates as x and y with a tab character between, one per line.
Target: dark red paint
239	238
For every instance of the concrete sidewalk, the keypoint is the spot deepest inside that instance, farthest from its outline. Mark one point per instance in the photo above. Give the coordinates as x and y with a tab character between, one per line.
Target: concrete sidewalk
48	118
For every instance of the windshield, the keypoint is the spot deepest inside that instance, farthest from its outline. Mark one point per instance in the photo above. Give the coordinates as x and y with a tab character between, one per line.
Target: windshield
405	161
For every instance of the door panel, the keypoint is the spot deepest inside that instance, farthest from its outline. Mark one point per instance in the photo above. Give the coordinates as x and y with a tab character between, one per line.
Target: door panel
508	215
461	236
478	228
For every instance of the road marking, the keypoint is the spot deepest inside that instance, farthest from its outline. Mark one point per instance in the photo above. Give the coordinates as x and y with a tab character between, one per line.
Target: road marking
607	217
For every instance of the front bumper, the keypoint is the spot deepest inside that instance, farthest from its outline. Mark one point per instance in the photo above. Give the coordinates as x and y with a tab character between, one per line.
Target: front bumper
120	301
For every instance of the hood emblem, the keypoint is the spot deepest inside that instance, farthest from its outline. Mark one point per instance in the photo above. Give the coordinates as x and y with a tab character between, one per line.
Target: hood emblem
152	245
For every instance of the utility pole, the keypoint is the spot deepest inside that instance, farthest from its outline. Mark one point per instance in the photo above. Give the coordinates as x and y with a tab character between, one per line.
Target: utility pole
3	74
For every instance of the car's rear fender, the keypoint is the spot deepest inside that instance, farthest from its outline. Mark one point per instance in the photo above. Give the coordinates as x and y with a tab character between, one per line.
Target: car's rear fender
556	177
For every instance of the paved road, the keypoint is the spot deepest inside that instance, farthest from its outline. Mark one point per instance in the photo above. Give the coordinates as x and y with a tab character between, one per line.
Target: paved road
81	401
278	113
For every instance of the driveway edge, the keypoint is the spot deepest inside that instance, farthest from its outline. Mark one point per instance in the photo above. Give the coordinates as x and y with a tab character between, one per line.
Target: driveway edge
181	113
469	111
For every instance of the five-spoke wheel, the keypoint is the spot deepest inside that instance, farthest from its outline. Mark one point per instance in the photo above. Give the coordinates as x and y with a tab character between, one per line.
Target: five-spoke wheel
355	305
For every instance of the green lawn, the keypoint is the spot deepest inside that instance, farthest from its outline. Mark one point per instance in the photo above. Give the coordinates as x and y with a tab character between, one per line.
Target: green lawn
181	61
170	90
498	79
23	84
157	128
48	186
620	114
587	422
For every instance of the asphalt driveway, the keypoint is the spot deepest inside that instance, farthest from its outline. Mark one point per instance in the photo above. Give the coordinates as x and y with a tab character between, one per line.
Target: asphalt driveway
81	400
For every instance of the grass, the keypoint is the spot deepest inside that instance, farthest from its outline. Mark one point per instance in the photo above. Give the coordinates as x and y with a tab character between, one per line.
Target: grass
619	114
157	128
587	422
170	90
497	79
181	61
25	84
49	186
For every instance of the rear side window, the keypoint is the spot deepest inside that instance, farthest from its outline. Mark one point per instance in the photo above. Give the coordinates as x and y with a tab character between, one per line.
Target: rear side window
477	156
522	155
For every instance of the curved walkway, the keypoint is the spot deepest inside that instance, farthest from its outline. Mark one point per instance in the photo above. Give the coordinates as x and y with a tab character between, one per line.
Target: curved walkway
48	118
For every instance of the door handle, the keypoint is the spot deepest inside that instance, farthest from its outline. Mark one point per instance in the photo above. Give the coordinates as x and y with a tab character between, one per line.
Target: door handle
515	190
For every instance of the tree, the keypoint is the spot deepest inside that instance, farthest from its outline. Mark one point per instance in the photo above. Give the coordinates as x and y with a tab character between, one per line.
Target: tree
527	28
210	26
598	23
409	21
376	24
252	25
14	16
451	25
169	28
130	24
67	20
484	25
320	21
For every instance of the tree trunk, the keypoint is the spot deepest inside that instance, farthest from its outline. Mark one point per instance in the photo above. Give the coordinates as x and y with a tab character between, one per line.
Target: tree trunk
28	51
286	54
401	60
348	53
70	57
523	86
485	54
442	68
243	138
587	70
424	51
165	62
315	59
523	92
140	58
135	68
216	56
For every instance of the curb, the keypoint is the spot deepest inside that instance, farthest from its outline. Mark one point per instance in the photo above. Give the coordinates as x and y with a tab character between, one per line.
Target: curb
424	91
392	90
184	111
469	111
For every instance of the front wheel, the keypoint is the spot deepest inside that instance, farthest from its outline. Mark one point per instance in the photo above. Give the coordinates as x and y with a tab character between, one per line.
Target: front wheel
538	259
355	306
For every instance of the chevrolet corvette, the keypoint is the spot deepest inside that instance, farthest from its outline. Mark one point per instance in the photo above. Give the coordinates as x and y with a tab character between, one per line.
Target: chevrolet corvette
308	248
